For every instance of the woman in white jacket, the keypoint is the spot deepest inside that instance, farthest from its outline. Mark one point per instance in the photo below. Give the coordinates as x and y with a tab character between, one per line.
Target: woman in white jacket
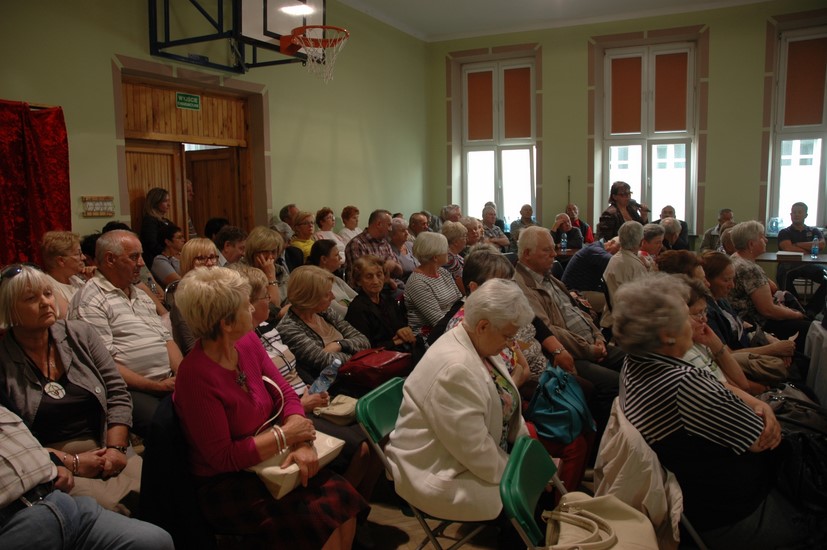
460	412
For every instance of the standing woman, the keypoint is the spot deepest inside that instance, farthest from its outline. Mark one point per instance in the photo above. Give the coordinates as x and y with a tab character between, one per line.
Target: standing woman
225	409
325	254
64	265
61	380
156	210
621	209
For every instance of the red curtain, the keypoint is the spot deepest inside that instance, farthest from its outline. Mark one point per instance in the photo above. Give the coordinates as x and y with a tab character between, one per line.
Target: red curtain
34	179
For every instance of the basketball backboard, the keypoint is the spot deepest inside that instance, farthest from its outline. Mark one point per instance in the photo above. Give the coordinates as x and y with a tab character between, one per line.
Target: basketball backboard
267	21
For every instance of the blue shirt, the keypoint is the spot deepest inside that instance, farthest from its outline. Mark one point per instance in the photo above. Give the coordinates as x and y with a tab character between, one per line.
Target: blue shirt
586	267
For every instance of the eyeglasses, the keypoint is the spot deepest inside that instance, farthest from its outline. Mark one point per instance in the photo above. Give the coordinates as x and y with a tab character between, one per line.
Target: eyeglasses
210	258
700	317
13	270
265	298
624	193
304	223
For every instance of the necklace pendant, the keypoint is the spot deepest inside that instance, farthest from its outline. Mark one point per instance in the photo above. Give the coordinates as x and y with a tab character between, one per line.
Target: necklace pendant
241	379
55	390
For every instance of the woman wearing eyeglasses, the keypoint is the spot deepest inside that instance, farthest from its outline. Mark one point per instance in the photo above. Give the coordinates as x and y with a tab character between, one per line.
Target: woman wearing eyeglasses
303	236
60	379
195	253
63	263
621	209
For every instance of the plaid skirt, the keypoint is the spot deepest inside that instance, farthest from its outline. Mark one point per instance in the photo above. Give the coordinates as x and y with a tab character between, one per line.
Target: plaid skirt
238	503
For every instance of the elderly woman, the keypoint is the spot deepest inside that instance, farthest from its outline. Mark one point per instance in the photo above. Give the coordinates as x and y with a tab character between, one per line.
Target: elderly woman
621	209
226	409
652	244
474	233
355	463
198	252
325	254
373	313
263	250
350	223
452	470
752	297
402	247
457	235
61	380
625	266
303	238
166	266
430	290
316	334
687	416
64	266
325	220
156	210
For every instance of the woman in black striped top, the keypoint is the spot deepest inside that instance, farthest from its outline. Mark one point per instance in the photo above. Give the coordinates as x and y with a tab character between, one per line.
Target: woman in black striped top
720	449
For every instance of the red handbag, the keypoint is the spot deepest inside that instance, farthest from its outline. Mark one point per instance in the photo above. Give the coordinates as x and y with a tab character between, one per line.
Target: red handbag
372	367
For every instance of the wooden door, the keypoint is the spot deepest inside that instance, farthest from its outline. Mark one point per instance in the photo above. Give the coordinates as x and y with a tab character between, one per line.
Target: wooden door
216	183
154	164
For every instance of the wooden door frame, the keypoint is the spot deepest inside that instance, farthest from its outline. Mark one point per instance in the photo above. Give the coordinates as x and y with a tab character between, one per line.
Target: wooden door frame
254	160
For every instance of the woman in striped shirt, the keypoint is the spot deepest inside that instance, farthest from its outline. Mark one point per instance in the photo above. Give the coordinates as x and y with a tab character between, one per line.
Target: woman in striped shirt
719	448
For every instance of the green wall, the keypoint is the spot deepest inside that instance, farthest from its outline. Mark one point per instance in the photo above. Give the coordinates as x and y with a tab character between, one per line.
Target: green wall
375	135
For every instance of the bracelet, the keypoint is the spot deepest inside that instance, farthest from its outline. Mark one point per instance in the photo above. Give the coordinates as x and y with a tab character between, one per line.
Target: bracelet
120	448
557	351
75	464
281	439
272	283
719	352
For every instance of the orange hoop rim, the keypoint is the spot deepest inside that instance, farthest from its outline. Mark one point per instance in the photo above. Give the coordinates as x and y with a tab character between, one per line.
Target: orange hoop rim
299	36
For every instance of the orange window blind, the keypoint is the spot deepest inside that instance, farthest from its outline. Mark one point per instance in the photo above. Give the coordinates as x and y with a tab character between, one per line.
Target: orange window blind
670	92
517	102
806	70
480	91
626	95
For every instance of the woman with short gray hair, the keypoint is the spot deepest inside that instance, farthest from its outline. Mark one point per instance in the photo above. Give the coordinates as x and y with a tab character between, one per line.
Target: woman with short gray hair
753	296
430	291
457	235
624	266
452	469
685	413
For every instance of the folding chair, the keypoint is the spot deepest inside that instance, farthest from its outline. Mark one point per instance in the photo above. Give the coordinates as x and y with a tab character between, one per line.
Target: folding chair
377	412
528	471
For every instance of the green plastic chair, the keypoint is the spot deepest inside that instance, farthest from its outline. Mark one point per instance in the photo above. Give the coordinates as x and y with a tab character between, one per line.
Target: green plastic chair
377	413
528	471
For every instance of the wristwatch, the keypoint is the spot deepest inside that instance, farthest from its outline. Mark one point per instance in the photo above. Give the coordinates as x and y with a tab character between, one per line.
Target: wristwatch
118	448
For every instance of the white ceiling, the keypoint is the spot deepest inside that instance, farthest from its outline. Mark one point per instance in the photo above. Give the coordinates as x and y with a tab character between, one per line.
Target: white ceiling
435	20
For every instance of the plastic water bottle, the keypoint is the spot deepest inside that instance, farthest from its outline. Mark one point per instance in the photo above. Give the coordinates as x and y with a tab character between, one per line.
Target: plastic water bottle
814	249
564	242
326	378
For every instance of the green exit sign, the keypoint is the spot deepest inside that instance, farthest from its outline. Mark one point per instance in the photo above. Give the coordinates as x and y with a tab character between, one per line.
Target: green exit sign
188	101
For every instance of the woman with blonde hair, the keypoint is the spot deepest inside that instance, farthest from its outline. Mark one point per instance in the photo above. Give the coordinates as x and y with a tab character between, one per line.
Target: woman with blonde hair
313	330
263	250
156	210
198	252
303	237
63	264
226	409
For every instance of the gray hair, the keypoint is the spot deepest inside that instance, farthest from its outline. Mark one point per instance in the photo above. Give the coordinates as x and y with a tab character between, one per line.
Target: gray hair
398	224
745	232
500	302
12	287
206	297
488	209
470	222
483	263
429	245
528	238
630	234
111	241
652	231
642	307
454	231
671	226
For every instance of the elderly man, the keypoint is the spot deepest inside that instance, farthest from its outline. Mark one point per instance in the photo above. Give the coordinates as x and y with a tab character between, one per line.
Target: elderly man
623	267
552	303
682	240
491	231
417	223
126	319
230	243
584	272
585	229
672	230
562	224
36	510
373	240
712	236
526	220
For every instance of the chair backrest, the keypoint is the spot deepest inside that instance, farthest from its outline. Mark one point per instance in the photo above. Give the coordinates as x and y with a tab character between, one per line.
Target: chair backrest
528	471
169	294
377	411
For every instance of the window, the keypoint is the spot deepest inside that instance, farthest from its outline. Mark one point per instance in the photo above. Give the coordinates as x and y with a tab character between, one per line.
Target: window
498	137
800	127
649	134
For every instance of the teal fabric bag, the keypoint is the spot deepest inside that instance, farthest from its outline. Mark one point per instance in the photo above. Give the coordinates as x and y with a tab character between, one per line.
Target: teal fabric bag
558	408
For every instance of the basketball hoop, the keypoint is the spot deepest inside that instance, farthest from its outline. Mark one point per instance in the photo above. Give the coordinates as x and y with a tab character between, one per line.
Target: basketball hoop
320	43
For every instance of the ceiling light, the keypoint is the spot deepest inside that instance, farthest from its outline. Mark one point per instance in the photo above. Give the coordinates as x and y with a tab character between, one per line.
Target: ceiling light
298	9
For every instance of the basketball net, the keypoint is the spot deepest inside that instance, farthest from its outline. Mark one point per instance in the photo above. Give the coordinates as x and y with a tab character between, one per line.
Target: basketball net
321	44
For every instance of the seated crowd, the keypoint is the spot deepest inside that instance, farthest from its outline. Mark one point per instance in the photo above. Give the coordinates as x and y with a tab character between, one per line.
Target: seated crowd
116	324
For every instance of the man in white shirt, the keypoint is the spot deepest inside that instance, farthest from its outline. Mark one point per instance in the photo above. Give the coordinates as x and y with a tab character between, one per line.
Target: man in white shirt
128	323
